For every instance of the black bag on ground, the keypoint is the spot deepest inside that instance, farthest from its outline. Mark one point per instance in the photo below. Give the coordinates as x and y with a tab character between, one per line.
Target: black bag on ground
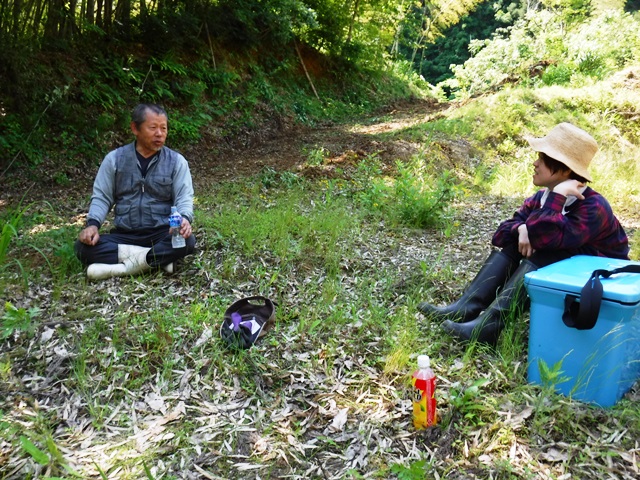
246	320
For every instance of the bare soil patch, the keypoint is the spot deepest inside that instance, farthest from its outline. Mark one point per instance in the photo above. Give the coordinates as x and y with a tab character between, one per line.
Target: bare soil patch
288	148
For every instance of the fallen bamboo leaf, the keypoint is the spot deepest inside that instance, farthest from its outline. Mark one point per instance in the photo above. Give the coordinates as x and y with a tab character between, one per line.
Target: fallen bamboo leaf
339	421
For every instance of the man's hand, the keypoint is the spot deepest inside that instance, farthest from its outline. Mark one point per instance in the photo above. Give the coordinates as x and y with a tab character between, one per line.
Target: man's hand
569	187
185	228
524	245
89	236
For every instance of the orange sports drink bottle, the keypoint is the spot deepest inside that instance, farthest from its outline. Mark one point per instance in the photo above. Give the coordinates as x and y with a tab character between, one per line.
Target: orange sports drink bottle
424	401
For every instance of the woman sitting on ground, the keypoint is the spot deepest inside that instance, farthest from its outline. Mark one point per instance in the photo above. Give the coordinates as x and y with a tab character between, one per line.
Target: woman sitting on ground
564	219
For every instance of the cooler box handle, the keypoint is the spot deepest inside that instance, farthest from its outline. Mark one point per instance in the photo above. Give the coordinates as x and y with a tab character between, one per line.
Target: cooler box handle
583	315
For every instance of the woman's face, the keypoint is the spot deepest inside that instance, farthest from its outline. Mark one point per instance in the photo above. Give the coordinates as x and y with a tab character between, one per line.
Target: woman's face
543	177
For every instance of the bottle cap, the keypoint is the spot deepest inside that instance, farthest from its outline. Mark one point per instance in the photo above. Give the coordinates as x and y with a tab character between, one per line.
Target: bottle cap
423	361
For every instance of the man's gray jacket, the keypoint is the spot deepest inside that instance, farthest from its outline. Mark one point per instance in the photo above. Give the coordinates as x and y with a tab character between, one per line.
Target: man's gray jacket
141	202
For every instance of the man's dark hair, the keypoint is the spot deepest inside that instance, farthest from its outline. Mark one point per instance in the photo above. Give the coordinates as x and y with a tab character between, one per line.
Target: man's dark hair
139	114
555	165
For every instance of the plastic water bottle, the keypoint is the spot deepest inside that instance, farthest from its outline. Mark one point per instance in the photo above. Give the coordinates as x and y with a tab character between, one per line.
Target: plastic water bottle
175	221
424	401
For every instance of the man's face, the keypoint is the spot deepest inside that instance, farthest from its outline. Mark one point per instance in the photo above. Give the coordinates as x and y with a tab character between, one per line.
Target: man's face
151	134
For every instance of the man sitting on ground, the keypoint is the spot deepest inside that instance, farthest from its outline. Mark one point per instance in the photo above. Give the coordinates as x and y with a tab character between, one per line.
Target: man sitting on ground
143	180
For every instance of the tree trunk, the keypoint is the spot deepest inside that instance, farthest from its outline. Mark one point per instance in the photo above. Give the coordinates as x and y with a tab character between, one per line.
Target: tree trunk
356	6
38	7
107	18
15	27
5	24
426	24
99	21
89	12
55	17
69	20
123	15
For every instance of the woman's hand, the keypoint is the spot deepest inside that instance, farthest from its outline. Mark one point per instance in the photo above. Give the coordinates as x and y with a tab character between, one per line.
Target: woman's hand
570	187
524	245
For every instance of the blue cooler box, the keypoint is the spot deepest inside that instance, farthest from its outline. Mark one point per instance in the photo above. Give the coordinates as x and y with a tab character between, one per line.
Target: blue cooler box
599	365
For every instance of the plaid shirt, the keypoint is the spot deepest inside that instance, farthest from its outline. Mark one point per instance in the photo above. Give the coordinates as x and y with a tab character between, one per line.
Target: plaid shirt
588	227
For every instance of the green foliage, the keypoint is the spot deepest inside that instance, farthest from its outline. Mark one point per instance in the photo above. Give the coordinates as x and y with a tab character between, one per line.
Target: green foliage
550	377
415	197
14	142
419	201
270	178
283	223
13	136
415	471
316	156
541	48
559	74
51	457
11	221
452	48
102	95
38	455
185	129
468	400
499	123
219	68
17	320
370	187
65	263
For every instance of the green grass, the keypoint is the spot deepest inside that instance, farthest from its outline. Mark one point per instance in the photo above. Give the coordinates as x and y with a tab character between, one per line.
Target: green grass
11	220
347	260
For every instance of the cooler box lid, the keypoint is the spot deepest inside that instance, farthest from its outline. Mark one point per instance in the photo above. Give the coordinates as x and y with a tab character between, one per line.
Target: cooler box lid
571	274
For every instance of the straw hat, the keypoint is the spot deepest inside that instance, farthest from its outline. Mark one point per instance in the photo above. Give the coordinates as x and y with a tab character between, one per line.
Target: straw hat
568	144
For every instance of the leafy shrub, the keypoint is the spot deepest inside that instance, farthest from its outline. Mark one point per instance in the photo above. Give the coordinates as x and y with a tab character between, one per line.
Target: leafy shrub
557	74
15	142
591	64
9	230
17	320
186	128
270	178
418	201
101	95
415	197
368	185
593	48
316	156
606	43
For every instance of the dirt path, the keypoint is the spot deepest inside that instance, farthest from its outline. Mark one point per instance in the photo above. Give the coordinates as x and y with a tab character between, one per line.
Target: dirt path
341	144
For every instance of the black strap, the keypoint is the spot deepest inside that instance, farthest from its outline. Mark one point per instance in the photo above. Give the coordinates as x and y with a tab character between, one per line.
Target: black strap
583	315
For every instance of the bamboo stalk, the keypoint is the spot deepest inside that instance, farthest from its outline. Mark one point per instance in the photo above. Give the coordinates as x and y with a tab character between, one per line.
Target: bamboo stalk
213	58
304	67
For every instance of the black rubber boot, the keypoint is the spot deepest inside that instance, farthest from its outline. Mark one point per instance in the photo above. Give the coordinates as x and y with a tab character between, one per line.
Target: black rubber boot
479	294
487	327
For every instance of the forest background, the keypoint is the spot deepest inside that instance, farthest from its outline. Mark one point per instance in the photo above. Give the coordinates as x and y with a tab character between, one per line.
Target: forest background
225	67
351	158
